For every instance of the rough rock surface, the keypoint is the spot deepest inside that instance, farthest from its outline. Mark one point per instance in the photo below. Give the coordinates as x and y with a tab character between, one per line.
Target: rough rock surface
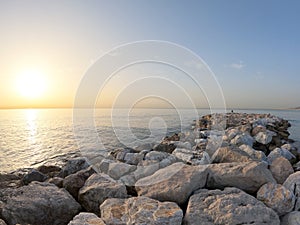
140	210
248	176
37	202
293	184
281	168
74	182
292	218
73	166
231	206
277	197
230	154
97	188
2	222
33	175
173	183
85	218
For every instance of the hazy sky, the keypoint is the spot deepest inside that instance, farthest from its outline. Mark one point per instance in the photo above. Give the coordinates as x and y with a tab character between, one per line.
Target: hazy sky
251	46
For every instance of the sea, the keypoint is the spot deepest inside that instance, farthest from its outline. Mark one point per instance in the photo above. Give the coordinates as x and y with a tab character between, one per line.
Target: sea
32	137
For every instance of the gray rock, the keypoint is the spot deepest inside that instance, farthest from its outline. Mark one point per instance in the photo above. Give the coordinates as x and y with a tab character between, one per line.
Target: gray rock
281	168
134	158
248	176
278	152
85	218
192	157
277	197
74	182
258	129
117	170
97	188
254	154
57	181
231	206
173	183
73	166
292	218
293	184
33	175
140	210
156	156
242	139
37	202
264	137
230	154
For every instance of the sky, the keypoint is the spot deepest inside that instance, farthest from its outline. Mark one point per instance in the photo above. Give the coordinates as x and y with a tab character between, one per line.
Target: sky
251	47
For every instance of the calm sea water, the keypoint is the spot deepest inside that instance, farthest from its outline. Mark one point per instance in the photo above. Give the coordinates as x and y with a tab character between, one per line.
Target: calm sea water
29	137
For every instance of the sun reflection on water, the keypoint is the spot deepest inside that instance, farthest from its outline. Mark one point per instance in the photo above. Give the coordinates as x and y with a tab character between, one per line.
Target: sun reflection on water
31	126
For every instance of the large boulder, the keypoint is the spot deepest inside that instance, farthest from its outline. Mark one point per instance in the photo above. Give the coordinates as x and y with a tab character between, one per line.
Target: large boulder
173	183
86	218
97	188
264	137
74	182
248	176
230	154
292	218
192	157
254	154
37	202
277	197
231	206
293	184
281	168
140	210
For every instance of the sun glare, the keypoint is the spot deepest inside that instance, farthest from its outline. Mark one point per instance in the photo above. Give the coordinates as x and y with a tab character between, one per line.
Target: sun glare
31	84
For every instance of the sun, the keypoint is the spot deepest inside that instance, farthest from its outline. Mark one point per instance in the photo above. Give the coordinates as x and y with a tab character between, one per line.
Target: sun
31	84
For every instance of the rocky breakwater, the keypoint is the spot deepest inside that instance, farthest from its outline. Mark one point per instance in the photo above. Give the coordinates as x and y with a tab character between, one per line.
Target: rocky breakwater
230	168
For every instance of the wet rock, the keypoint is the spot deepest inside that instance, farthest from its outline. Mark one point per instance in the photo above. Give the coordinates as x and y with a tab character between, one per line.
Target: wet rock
231	206
293	184
86	218
97	188
140	210
173	183
73	166
248	176
277	197
281	168
254	154
33	175
192	157
37	202
230	154
74	182
292	218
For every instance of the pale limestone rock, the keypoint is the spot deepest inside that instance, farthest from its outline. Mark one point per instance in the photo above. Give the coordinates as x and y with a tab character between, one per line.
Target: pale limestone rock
230	154
140	210
173	183
293	184
254	154
281	168
231	206
85	218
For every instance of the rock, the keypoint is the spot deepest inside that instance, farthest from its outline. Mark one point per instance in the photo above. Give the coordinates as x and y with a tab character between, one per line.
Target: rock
117	170
86	218
2	222
231	206
37	202
278	152
230	154
293	184
281	168
173	183
97	188
180	144
134	158
292	218
50	170
241	139
258	129
73	166
74	182
192	157
33	175
248	176
156	156
140	210
214	142
146	146
10	180
164	147
57	181
277	197
254	154
264	137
